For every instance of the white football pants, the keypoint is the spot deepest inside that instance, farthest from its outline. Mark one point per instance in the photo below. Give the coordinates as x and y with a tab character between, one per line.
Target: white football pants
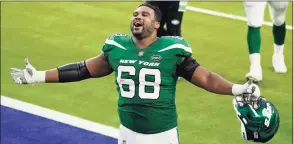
255	12
127	136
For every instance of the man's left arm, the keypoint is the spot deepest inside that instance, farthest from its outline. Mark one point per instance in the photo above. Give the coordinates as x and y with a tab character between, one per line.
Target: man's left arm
210	81
215	83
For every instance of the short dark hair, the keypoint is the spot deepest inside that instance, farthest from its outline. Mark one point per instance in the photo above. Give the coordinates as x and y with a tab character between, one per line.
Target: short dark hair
156	10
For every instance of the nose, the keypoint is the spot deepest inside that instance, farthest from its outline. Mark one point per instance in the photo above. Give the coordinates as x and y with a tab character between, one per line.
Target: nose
138	17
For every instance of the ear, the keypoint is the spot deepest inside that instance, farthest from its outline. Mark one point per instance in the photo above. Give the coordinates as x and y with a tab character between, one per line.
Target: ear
157	25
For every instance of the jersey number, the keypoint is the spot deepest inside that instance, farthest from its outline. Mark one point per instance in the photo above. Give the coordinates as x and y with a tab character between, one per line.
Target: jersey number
142	82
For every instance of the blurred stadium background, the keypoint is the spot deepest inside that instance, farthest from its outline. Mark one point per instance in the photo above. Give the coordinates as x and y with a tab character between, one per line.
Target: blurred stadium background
55	33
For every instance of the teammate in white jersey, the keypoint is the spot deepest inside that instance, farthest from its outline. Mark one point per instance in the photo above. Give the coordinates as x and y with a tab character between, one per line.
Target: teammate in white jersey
255	15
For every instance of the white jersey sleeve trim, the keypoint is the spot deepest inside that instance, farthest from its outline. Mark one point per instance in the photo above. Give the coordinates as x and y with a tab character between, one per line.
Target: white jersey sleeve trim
112	42
179	46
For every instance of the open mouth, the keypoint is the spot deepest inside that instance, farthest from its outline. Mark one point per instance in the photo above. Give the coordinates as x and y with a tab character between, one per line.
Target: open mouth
137	24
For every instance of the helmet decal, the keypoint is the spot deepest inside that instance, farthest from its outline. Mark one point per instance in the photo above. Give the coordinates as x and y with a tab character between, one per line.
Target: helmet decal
253	110
243	131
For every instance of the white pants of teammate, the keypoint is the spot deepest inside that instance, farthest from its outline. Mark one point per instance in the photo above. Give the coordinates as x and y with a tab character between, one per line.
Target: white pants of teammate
127	136
255	12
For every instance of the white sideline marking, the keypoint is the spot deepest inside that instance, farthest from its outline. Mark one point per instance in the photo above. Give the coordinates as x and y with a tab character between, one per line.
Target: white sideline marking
231	16
59	117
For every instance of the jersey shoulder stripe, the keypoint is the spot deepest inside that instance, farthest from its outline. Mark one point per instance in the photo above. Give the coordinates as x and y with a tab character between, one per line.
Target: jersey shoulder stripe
114	43
177	46
177	43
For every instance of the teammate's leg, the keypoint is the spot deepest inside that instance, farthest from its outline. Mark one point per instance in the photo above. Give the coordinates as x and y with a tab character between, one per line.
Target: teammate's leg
175	17
277	13
127	136
255	16
173	23
161	30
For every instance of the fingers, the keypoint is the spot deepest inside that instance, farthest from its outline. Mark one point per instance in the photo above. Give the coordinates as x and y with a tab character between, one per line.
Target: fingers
16	78
256	92
27	64
17	75
30	69
249	90
14	74
26	61
252	93
14	70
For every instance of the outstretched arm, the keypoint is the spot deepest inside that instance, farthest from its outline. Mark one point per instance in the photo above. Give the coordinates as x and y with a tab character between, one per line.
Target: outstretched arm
211	81
208	80
91	68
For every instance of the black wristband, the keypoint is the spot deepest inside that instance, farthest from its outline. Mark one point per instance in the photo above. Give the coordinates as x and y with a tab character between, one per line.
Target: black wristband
187	68
73	72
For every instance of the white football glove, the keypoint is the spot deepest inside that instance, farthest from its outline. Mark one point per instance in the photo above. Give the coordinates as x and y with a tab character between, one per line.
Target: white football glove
249	90
251	96
28	75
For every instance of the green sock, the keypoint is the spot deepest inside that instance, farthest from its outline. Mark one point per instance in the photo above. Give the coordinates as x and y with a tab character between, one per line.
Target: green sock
253	39
279	33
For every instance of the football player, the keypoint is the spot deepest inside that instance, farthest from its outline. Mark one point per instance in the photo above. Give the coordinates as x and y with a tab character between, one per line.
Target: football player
146	69
255	15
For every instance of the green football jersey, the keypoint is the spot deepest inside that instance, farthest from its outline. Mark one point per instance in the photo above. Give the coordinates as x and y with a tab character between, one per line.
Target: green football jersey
146	81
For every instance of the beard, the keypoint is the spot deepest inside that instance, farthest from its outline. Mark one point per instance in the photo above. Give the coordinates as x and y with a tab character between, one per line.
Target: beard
141	32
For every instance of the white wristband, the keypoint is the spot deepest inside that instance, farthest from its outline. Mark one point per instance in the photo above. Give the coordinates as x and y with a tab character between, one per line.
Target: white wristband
238	89
40	76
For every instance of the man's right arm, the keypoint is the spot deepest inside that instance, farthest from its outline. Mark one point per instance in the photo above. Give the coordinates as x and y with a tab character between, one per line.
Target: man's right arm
91	68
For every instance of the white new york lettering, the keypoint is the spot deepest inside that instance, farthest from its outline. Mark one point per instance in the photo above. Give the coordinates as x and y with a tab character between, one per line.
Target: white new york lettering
121	61
132	61
156	64
151	64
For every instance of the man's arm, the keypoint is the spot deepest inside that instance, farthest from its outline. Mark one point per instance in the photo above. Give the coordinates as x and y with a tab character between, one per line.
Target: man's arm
210	81
91	68
98	66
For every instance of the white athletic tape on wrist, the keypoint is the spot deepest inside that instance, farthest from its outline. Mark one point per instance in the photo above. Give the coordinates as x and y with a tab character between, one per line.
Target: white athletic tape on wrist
40	76
238	89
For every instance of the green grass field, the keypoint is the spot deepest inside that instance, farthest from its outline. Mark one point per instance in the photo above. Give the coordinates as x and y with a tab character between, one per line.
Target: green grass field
51	34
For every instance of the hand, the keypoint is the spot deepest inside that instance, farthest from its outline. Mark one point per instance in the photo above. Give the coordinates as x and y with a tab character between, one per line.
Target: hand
28	75
247	90
252	93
